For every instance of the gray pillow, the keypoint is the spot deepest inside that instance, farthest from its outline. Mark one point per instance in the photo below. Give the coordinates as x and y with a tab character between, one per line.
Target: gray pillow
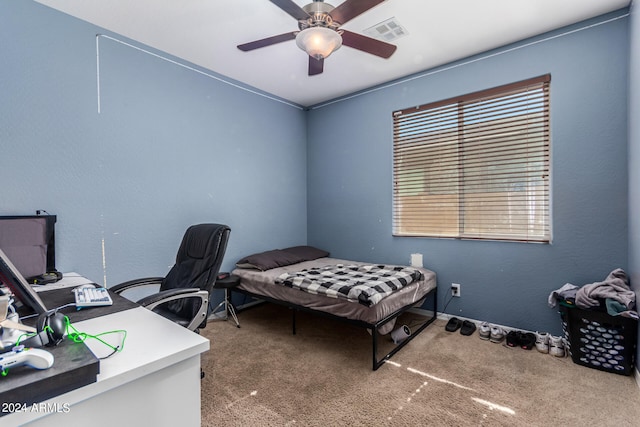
280	257
308	253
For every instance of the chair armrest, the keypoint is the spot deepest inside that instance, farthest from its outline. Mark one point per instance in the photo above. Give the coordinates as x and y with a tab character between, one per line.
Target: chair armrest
156	299
152	301
147	281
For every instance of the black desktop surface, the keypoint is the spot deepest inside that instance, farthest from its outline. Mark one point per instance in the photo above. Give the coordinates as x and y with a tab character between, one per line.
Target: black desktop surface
61	297
74	364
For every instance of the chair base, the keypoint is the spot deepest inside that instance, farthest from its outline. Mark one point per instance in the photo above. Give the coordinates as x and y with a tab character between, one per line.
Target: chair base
228	308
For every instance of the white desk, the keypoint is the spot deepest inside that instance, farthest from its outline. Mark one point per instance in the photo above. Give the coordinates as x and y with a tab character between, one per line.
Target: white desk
155	380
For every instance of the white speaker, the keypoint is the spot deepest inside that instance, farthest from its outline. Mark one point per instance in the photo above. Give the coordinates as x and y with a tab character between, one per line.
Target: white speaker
400	334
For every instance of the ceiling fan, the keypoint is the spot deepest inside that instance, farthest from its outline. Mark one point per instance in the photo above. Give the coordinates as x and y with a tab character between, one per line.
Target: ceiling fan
320	33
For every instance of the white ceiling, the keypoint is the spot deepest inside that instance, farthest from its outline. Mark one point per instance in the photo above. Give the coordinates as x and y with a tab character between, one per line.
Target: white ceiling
206	33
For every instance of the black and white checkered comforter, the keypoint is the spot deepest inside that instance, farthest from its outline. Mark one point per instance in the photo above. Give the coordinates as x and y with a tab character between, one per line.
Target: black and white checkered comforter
366	284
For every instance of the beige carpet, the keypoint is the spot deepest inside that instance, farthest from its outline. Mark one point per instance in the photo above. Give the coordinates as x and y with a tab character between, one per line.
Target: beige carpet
262	375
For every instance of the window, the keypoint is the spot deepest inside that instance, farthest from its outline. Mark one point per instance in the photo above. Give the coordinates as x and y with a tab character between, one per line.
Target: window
476	166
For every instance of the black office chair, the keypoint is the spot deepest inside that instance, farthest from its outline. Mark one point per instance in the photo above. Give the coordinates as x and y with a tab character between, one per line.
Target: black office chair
185	292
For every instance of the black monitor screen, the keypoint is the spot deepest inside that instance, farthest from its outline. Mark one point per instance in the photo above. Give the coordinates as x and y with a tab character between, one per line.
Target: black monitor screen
29	240
13	279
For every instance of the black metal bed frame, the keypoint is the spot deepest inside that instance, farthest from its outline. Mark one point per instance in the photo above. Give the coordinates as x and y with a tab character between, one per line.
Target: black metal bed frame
372	326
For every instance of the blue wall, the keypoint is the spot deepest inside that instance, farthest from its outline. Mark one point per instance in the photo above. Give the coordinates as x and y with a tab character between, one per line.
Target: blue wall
170	147
350	176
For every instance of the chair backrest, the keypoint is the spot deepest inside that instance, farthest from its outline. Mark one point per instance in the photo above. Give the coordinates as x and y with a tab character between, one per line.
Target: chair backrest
197	264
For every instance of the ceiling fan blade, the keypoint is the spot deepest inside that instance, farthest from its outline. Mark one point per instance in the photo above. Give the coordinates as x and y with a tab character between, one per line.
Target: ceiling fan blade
367	44
291	8
352	8
268	41
315	66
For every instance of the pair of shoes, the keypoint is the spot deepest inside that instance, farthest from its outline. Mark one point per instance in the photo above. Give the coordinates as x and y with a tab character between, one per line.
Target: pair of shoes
525	340
466	327
556	346
542	342
546	343
490	332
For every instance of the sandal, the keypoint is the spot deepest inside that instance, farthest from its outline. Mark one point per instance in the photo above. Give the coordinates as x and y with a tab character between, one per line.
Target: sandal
453	324
467	328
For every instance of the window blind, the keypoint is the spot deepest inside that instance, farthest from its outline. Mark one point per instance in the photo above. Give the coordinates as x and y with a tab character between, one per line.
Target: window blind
475	166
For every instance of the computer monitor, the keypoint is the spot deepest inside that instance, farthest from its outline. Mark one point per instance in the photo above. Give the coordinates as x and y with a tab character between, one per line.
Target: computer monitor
13	279
30	242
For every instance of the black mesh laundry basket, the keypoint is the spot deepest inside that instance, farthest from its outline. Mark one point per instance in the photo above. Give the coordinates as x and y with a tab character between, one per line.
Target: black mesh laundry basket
600	341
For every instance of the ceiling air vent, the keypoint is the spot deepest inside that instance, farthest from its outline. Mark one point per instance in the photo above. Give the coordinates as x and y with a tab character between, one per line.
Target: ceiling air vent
387	31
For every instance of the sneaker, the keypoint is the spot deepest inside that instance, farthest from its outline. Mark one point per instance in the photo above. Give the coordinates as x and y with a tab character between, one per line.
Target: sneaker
556	346
497	334
542	342
513	338
484	331
527	340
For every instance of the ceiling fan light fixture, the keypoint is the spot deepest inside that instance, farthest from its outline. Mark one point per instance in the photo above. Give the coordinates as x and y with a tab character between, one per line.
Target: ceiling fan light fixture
319	42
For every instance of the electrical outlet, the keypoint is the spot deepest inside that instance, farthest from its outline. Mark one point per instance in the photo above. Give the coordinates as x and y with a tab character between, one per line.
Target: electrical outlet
455	289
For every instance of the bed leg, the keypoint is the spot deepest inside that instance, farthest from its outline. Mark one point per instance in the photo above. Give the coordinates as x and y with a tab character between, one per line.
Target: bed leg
374	340
293	320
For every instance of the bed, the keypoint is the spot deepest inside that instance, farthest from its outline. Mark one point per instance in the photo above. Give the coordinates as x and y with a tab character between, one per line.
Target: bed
272	276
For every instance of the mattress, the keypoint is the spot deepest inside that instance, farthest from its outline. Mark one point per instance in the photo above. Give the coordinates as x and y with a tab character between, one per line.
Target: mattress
263	283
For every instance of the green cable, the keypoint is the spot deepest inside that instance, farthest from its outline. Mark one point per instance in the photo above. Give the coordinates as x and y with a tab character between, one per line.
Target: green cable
78	337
